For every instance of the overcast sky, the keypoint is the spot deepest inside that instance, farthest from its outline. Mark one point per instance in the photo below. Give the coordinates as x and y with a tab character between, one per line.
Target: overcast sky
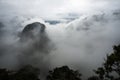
52	8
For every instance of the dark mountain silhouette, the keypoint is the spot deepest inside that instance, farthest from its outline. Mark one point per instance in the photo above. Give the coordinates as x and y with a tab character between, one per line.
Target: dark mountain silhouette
32	30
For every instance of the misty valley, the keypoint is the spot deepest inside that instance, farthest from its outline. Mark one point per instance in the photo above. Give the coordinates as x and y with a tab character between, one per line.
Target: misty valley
60	40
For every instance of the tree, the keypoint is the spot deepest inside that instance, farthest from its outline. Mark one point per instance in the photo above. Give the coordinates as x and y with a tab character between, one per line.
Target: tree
110	66
93	78
4	74
63	73
26	73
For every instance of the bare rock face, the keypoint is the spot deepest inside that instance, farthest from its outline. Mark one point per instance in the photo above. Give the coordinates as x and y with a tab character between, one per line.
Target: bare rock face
33	30
34	45
1	27
34	38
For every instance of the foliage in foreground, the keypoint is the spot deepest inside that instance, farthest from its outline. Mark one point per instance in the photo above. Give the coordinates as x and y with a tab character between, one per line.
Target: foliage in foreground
26	73
111	67
63	73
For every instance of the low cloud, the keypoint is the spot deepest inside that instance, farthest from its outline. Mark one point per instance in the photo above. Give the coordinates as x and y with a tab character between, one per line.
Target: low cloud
81	43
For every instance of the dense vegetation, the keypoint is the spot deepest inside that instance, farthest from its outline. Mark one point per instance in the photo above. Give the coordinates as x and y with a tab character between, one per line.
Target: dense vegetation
63	73
111	67
26	73
109	71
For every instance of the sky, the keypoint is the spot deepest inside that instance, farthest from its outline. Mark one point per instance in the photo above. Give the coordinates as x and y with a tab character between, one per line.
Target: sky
81	34
54	8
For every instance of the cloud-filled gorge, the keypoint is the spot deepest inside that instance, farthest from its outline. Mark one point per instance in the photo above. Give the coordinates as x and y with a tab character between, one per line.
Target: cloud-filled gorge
81	43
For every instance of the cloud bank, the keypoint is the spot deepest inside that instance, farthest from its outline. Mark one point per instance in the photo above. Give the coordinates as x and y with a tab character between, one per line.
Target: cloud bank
84	34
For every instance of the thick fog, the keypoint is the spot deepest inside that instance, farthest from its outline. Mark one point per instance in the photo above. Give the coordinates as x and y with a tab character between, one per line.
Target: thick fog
80	36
